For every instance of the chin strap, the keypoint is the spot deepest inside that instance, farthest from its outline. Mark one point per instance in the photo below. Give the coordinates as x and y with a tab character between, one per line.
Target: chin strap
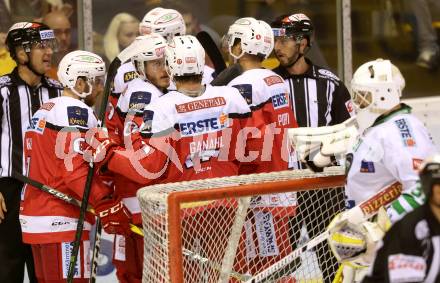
298	41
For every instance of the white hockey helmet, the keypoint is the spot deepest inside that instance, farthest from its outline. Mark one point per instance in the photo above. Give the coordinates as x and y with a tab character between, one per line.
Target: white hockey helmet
256	37
184	56
80	64
166	22
376	88
146	48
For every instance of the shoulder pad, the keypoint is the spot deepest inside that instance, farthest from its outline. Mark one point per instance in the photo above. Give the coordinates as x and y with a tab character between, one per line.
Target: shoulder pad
323	73
5	80
54	83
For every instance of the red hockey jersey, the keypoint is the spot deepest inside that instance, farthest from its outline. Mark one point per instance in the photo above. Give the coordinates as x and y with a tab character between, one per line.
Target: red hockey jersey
54	144
268	98
188	138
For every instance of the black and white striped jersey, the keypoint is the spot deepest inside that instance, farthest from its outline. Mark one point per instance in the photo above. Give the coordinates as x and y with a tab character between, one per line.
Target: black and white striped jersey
319	97
19	102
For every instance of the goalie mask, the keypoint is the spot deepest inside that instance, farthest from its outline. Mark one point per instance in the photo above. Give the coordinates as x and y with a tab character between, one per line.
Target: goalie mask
256	37
166	22
147	48
81	64
430	174
376	88
184	56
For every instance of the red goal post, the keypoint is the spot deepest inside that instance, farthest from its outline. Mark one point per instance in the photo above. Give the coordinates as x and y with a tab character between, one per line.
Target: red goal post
220	230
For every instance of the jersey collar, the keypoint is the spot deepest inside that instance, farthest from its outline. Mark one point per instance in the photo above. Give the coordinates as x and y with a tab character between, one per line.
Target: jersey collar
404	109
311	71
17	80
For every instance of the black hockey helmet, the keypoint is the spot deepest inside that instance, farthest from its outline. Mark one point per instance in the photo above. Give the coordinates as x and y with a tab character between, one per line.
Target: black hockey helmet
26	34
430	174
297	26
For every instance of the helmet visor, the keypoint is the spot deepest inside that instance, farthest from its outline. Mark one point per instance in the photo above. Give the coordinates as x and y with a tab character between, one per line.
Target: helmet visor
44	44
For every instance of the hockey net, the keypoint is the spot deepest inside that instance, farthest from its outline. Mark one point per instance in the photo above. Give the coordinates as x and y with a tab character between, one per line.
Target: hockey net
229	229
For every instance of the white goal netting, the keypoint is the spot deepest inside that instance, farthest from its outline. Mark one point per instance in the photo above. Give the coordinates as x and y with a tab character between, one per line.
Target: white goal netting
230	229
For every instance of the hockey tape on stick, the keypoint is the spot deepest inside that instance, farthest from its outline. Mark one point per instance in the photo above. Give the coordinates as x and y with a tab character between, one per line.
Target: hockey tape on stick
62	196
212	50
359	213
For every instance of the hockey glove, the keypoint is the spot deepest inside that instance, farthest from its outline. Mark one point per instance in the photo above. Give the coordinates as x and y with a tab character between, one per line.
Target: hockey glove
100	150
115	217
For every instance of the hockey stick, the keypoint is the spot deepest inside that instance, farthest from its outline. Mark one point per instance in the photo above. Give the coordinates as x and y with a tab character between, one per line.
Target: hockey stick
122	57
64	197
361	212
212	50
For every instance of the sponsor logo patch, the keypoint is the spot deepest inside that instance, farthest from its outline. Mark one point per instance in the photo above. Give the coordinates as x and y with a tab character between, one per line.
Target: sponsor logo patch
245	91
66	253
77	116
280	100
367	167
37	125
129	76
271	80
204	125
200	104
139	99
47	34
405	132
166	18
328	74
406	268
47	106
190	60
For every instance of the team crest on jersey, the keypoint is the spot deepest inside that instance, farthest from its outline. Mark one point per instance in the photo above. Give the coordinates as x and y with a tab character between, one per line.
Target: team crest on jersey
139	99
272	80
280	100
405	132
148	121
4	80
129	76
367	167
37	125
204	125
77	116
245	91
47	106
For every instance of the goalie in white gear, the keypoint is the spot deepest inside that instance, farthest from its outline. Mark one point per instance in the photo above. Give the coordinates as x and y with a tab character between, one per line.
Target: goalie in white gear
392	142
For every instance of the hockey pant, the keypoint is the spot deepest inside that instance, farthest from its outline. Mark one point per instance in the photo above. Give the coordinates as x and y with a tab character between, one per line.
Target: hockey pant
128	258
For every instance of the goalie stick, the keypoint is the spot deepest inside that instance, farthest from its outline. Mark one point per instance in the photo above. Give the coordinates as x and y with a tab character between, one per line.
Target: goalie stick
361	212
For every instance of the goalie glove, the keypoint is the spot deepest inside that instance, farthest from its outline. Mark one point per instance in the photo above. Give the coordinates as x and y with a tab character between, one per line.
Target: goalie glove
330	141
354	243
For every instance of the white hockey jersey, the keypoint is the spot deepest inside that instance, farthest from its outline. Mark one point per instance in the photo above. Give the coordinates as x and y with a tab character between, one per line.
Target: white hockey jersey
391	150
125	74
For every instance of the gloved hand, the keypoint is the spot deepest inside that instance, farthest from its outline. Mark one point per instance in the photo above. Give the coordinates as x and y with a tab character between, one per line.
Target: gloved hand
115	217
100	148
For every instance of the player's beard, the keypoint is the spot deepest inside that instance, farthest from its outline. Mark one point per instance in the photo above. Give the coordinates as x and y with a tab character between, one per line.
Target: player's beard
292	59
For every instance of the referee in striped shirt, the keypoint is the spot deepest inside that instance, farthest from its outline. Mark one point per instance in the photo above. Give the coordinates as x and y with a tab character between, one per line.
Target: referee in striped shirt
21	94
318	98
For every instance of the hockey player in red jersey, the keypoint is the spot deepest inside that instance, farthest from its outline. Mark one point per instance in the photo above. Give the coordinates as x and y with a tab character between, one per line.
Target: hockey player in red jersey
192	133
152	80
250	41
55	142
